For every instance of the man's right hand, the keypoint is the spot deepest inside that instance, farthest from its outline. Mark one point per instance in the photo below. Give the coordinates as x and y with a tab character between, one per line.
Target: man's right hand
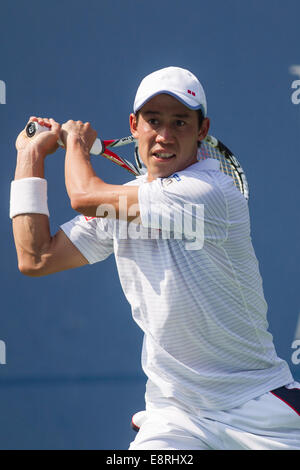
43	144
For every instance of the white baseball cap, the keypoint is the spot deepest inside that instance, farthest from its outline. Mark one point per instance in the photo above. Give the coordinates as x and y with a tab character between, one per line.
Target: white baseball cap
174	81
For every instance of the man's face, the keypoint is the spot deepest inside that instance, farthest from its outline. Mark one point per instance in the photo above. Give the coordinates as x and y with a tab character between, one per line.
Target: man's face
168	134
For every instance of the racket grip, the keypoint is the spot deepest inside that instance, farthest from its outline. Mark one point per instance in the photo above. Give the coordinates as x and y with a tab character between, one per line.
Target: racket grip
34	128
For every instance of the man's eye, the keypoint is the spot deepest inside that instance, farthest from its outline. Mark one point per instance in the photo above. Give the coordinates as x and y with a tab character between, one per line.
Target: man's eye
180	123
153	122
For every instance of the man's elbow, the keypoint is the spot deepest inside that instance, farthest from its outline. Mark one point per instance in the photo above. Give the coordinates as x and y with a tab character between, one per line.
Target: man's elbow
81	204
31	270
77	204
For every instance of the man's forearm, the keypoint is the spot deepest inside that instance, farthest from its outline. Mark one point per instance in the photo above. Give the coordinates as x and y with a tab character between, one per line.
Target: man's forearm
29	164
87	191
32	240
81	179
31	231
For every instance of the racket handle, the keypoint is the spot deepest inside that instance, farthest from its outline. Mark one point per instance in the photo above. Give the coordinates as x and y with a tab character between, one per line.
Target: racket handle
34	128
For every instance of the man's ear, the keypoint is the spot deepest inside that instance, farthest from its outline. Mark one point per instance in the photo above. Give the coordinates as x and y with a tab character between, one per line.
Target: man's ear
133	125
203	131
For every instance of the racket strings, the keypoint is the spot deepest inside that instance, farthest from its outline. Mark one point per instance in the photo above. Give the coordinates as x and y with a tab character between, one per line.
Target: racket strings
226	164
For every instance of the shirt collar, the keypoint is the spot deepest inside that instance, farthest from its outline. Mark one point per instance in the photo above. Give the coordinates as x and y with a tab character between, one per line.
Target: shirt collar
203	165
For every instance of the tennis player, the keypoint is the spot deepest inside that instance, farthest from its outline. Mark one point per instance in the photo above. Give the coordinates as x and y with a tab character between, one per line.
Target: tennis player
214	378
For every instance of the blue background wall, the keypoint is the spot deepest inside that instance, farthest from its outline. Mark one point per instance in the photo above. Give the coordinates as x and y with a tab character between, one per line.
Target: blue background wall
72	377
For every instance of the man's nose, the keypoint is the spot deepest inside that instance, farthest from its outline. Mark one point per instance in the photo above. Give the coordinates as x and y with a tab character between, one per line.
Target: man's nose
165	135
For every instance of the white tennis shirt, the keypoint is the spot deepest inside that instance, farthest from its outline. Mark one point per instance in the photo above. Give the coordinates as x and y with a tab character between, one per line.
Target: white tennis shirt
192	279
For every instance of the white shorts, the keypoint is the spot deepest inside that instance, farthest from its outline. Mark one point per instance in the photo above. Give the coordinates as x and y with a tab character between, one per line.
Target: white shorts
268	422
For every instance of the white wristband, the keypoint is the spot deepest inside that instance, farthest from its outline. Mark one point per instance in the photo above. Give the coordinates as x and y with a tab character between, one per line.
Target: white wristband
28	196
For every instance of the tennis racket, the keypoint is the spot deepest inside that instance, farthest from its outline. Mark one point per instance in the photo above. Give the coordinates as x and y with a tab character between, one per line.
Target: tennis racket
210	147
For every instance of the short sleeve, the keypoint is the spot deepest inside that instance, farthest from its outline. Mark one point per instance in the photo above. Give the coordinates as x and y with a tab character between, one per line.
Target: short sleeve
93	236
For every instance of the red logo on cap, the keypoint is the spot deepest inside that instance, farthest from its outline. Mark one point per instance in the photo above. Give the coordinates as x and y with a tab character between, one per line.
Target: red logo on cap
191	93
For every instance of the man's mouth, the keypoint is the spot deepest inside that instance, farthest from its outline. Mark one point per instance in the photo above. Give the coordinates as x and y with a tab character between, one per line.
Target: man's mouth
163	156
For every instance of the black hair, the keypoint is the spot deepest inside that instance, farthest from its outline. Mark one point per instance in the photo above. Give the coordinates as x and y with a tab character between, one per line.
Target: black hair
200	117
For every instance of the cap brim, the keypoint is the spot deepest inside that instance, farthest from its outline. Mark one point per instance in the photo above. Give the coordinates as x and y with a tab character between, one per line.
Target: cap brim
189	101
